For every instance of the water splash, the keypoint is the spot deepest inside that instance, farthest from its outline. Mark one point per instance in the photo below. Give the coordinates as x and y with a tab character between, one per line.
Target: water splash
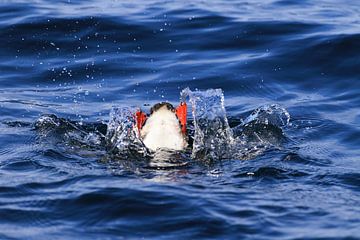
122	137
261	130
213	135
75	134
272	114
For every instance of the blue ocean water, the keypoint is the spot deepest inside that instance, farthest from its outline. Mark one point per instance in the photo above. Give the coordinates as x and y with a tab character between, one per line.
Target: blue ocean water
79	59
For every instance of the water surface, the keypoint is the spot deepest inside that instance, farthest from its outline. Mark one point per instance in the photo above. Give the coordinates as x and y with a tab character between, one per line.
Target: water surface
79	59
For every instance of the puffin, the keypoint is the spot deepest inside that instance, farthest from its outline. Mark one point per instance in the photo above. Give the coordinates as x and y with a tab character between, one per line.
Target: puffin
164	128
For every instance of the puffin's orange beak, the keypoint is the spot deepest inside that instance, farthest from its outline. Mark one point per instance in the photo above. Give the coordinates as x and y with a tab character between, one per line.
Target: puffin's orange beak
181	113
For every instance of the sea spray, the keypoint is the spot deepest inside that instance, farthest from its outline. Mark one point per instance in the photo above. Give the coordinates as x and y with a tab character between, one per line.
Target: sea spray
272	114
121	134
261	130
76	134
212	136
210	131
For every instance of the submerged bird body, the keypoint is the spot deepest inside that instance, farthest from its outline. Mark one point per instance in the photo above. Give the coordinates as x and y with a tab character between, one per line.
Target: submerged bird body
162	129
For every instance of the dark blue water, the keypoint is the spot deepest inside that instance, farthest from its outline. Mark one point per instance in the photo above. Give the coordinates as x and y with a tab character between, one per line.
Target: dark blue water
78	59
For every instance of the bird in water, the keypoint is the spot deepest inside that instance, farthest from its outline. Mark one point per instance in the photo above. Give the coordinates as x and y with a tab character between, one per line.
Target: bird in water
164	128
